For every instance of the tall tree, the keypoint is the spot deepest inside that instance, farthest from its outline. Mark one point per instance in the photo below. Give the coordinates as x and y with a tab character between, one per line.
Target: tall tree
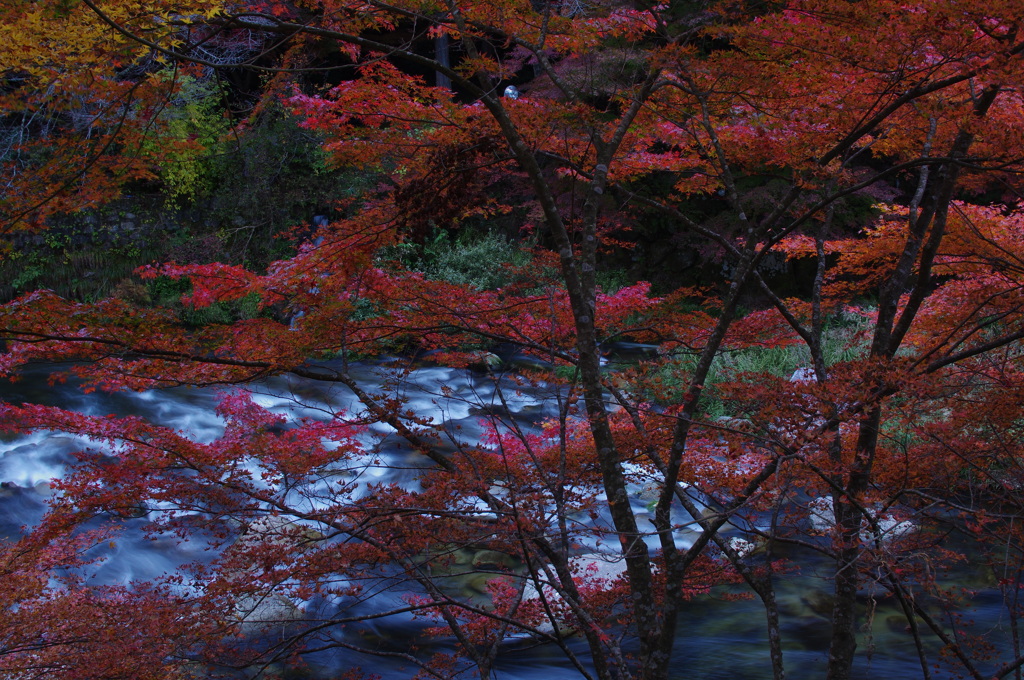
779	122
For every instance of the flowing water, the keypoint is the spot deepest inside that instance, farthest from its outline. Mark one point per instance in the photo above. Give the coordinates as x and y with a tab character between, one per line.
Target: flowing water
718	638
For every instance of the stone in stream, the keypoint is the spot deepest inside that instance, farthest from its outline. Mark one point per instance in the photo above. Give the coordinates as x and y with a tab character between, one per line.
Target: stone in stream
474	573
890	528
260	608
493	560
598	568
485	362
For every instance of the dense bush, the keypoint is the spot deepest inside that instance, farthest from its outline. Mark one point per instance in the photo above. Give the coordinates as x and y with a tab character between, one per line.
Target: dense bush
483	260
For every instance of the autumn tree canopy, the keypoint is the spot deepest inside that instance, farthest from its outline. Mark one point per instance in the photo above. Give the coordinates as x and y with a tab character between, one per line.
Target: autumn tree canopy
751	131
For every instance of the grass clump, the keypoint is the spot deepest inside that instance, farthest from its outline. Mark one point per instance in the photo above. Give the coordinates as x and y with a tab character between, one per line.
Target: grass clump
842	341
484	261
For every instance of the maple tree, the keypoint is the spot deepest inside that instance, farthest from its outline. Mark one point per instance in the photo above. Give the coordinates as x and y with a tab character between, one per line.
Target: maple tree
871	459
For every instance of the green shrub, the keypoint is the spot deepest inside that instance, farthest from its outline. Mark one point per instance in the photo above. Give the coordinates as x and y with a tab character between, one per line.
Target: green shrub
273	175
613	280
193	132
167	292
482	261
476	262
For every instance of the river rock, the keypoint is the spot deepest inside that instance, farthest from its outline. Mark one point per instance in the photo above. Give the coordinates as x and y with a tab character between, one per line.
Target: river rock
803	374
890	528
258	609
494	560
593	567
743	547
485	362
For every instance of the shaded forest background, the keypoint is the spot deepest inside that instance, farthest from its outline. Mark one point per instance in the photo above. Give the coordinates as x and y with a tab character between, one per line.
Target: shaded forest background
248	181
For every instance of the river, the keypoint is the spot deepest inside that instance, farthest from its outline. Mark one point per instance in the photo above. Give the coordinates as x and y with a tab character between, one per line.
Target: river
718	638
